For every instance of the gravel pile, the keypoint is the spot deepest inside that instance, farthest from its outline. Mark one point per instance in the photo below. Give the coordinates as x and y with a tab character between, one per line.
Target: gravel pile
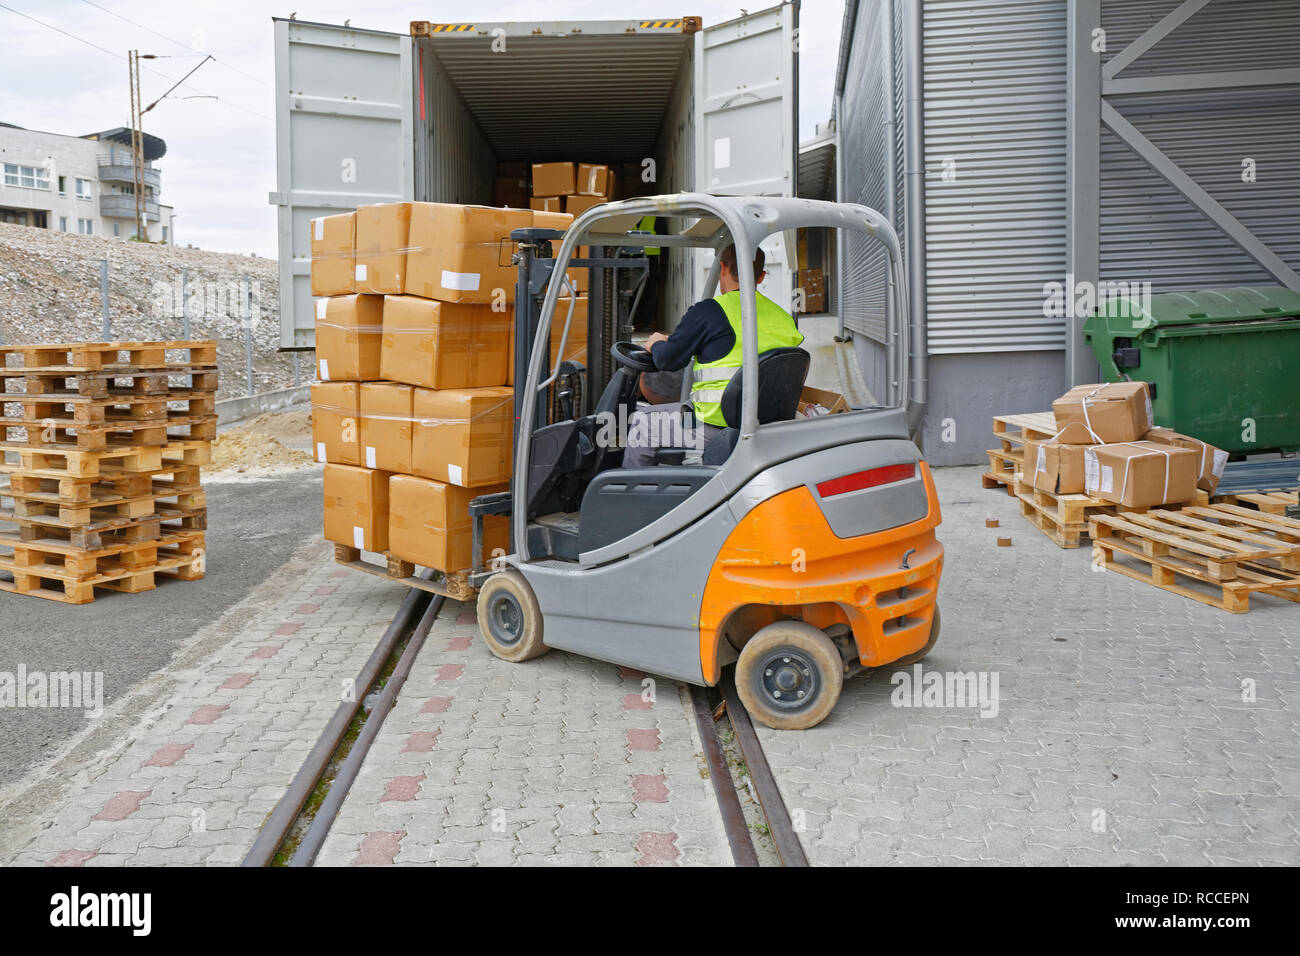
50	292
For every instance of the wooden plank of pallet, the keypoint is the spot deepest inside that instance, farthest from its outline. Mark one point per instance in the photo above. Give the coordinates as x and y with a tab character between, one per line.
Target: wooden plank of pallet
1013	430
454	585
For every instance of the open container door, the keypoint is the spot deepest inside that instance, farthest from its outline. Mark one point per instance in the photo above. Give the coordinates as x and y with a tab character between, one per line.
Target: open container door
343	134
747	124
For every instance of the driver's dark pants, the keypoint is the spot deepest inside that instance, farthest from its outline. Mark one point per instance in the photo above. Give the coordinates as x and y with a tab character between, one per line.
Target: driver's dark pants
662	426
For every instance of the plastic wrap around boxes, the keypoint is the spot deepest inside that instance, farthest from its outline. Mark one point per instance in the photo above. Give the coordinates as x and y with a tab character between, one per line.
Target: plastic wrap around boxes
413	415
1107	446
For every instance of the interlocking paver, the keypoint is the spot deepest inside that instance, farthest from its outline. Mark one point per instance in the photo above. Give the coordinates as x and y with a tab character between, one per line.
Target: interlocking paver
1114	697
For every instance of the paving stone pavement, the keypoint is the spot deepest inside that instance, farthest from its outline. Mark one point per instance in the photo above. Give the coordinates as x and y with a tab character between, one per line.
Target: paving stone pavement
1121	734
559	760
193	782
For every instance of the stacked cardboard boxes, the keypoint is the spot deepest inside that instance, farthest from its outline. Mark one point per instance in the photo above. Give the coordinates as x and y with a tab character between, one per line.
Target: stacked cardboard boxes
572	188
813	285
102	444
413	414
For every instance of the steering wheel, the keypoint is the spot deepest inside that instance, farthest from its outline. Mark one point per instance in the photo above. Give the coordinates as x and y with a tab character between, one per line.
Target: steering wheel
630	355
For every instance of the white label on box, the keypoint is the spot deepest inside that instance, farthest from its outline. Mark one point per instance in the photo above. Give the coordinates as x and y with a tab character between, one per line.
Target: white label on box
324	370
1220	459
1091	470
1041	466
358	537
319	226
454	474
1107	479
320	307
370	457
361	272
722	152
1150	414
460	281
320	451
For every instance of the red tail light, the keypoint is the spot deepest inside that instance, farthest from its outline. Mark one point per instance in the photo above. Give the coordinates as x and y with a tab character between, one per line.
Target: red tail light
866	479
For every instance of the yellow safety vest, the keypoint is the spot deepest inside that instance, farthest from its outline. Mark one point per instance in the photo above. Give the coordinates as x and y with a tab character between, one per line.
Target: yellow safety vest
647	224
776	329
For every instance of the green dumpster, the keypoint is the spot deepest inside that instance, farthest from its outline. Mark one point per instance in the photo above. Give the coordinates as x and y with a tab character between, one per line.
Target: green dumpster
1224	363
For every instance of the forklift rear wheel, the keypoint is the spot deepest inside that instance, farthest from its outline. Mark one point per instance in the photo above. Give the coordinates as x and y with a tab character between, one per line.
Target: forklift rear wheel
789	675
509	618
923	653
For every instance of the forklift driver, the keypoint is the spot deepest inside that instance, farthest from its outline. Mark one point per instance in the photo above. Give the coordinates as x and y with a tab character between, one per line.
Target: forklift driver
707	338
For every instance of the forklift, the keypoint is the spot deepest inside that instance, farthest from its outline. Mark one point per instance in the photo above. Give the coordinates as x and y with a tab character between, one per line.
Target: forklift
799	549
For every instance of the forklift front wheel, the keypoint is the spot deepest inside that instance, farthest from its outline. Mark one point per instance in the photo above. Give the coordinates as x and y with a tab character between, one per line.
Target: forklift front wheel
789	675
509	618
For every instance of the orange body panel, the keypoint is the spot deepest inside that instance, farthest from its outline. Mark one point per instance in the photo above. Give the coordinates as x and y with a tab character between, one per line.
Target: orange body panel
784	561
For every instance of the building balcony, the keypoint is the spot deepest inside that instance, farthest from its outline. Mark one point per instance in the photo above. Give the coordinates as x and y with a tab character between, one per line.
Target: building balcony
125	173
122	206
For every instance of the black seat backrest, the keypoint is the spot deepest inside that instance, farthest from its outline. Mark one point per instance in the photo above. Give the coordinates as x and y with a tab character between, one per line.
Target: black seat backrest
781	374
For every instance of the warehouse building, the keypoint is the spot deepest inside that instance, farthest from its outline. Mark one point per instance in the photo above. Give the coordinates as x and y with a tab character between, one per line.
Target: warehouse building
82	184
1038	152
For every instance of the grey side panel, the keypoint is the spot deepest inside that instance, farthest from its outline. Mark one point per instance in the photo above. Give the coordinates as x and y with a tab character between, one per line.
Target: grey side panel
869	510
643	612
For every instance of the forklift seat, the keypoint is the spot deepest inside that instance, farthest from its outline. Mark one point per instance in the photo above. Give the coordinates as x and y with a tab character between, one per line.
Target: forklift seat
781	375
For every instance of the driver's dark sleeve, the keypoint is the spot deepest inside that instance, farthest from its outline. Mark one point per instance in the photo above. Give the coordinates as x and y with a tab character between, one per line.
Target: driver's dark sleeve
701	332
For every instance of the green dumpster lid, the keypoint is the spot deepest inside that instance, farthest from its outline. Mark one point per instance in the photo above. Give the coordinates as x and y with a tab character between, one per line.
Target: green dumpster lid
1240	304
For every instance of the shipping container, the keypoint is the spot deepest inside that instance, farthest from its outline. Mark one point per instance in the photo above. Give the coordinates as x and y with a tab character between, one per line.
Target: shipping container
364	116
1091	144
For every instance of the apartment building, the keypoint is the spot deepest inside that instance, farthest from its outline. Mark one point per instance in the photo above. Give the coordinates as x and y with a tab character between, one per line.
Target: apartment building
82	184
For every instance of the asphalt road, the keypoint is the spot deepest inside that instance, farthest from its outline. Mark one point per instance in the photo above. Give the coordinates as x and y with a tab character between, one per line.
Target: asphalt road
253	528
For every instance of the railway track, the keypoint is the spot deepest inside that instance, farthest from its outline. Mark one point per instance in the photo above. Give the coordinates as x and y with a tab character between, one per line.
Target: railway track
296	829
730	782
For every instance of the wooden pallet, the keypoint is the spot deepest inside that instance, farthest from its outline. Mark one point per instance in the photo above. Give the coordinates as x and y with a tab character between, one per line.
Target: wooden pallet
1064	518
108	356
1269	502
104	384
97	534
454	585
53	570
1226	552
73	411
1012	431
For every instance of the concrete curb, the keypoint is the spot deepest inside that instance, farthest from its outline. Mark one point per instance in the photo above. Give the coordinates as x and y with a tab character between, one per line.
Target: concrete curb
232	410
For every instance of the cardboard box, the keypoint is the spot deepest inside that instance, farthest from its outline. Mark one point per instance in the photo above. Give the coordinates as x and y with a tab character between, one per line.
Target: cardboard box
429	524
577	205
349	334
335	429
553	179
510	191
1140	474
356	507
1212	460
464	436
593	180
1056	466
462	253
387	412
333	254
551	204
444	344
833	402
812	281
1112	413
383	234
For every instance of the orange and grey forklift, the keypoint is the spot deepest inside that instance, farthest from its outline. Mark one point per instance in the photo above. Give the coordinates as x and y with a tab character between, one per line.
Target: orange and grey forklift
799	549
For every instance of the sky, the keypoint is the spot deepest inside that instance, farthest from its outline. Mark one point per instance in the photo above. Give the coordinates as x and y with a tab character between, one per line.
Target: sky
220	126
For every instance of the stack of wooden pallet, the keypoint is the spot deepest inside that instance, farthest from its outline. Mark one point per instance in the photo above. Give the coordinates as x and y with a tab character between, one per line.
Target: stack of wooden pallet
102	446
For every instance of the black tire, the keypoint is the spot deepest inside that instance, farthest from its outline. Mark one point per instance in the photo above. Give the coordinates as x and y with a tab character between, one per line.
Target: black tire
789	675
509	618
924	652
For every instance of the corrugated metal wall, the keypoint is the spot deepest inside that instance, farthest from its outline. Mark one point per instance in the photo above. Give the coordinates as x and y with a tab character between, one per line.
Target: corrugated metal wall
866	152
1149	231
995	114
454	161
